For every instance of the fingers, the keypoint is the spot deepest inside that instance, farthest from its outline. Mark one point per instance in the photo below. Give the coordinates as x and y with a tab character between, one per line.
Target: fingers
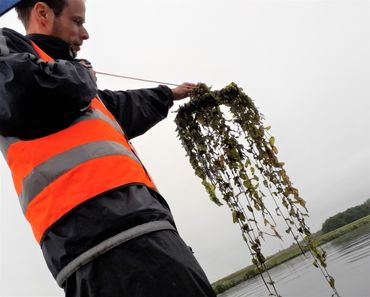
188	85
188	88
183	91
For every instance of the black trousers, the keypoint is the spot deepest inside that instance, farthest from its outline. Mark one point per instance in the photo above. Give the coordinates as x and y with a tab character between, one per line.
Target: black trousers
157	264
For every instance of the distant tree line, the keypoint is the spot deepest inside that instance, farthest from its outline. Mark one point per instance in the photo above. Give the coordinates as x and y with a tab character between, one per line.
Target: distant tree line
348	216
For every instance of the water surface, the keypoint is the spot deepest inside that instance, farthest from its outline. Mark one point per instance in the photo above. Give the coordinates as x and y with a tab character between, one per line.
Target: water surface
348	263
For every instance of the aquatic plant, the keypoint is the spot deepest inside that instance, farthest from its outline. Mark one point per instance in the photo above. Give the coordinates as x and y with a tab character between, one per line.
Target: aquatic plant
235	156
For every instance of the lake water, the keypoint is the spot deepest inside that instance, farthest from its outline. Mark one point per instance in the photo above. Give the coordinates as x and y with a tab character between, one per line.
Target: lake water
348	262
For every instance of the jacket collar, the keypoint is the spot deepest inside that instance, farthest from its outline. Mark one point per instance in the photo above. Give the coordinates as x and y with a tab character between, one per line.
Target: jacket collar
54	47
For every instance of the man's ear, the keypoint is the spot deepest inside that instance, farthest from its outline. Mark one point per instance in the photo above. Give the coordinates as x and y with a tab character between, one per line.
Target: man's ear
43	13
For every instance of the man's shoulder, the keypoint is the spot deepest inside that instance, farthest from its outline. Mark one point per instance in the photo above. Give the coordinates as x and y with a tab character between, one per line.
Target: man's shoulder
13	42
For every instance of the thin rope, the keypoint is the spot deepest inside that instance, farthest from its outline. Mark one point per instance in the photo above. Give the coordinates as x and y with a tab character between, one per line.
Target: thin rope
135	78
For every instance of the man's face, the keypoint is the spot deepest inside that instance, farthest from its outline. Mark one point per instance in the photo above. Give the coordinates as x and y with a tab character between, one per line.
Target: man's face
69	25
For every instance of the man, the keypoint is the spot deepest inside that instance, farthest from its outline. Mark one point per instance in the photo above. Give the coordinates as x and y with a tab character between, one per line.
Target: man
103	228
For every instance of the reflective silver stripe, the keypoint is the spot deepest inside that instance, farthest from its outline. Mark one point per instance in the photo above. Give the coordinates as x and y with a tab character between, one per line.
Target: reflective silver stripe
108	244
97	114
91	114
5	142
114	123
4	49
47	172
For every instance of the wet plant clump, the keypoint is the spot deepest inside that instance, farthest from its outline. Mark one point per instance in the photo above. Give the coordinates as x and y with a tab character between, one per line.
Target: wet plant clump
235	156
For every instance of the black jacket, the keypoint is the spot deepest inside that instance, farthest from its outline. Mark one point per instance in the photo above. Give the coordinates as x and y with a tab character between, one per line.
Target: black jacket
39	98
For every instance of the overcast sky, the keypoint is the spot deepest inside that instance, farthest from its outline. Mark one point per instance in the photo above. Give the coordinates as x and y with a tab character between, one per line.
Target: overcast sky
305	63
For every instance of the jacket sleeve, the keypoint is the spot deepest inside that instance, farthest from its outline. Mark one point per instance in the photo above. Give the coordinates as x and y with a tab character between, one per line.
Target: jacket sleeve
38	98
138	110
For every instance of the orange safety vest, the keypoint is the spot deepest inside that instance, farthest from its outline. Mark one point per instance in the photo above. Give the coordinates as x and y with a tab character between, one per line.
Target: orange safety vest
55	173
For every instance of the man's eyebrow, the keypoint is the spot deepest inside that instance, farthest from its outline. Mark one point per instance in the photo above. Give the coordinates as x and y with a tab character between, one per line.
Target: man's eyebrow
79	18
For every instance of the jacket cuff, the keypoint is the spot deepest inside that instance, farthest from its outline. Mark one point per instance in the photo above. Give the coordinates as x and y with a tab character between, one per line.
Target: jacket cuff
168	98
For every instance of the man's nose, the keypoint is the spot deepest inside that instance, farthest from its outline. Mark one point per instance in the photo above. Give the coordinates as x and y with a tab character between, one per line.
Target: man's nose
84	35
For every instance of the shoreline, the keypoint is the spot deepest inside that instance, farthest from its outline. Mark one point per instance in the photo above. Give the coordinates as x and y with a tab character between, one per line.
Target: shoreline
280	257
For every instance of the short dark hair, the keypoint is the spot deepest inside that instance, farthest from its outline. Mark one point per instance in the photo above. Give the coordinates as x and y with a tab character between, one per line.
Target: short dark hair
25	7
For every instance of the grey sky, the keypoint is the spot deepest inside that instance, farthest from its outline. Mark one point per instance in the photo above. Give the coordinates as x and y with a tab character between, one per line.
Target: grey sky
305	63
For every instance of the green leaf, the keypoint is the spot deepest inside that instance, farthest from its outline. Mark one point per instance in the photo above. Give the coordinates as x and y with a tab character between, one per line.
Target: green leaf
241	216
246	228
255	262
272	141
253	170
331	282
247	184
235	216
277	234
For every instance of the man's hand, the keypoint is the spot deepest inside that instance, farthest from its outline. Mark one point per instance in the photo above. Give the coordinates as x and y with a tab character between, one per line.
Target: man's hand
183	91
